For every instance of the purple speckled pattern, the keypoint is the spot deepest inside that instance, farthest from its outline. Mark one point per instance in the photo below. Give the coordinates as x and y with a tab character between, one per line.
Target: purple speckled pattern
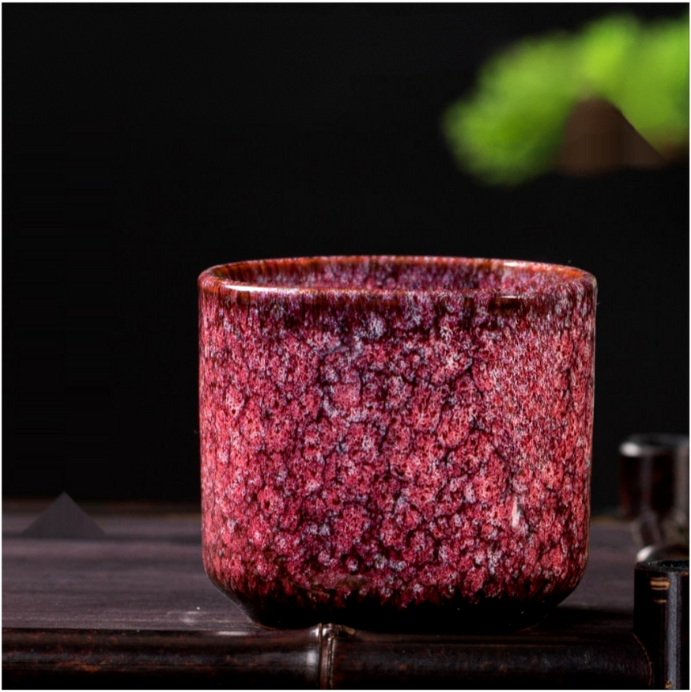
395	432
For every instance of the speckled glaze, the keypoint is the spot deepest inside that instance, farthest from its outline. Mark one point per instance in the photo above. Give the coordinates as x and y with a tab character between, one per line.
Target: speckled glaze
396	442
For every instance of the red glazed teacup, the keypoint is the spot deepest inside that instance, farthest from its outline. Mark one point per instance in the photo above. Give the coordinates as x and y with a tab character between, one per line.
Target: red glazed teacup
396	442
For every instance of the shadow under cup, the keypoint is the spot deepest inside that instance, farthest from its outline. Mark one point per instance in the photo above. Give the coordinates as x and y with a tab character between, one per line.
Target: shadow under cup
396	443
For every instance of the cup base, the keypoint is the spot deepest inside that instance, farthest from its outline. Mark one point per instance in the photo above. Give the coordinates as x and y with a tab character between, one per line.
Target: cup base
491	616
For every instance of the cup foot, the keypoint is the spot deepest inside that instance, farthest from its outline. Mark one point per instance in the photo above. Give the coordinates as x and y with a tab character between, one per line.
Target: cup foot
487	617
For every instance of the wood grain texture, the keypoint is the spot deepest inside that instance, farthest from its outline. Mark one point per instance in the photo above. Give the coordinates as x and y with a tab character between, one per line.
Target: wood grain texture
136	608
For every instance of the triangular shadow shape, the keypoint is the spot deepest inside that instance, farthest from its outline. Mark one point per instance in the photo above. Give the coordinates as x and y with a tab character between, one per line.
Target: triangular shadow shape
64	519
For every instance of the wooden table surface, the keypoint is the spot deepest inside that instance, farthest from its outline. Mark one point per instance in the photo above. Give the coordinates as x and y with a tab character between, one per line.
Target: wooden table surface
136	609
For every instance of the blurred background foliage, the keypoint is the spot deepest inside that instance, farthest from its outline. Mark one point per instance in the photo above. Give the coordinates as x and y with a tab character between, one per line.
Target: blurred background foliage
509	130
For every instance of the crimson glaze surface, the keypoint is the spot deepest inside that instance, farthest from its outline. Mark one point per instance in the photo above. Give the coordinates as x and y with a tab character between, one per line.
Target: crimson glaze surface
395	442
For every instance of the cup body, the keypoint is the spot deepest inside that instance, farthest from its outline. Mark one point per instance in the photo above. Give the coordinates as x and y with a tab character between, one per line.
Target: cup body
396	442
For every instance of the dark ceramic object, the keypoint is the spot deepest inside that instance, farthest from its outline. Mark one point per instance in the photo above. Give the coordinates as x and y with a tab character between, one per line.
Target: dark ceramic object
396	442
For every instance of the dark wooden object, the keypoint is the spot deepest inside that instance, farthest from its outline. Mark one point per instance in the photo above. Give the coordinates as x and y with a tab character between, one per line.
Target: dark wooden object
573	652
654	474
135	609
654	493
661	620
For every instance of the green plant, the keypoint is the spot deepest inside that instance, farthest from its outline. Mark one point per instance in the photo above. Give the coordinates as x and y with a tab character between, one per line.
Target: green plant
510	129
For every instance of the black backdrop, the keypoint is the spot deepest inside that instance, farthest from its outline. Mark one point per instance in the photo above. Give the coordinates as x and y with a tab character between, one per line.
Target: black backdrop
143	143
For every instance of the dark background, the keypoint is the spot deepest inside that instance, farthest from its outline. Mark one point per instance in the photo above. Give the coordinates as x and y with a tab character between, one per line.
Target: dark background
144	143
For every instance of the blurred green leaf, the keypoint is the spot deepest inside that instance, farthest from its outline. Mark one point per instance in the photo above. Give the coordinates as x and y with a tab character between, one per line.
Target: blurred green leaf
510	129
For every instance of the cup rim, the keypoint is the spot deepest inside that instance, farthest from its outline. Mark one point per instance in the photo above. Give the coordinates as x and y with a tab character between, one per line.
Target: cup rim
215	279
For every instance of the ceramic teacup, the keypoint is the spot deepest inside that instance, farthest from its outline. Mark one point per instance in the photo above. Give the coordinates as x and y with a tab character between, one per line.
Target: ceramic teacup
396	442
